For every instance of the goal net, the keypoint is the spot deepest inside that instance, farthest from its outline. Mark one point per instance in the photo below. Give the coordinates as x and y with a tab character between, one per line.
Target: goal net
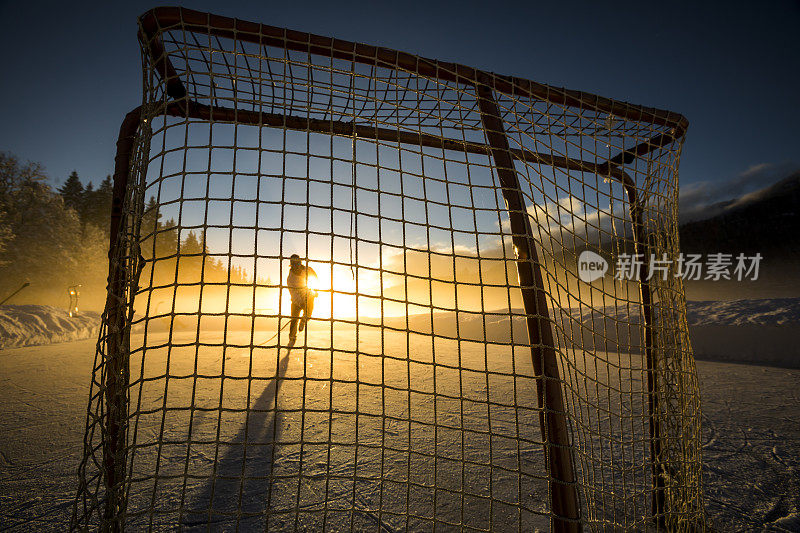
468	364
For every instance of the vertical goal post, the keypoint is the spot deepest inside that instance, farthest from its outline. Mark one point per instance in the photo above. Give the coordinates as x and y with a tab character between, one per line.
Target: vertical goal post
207	69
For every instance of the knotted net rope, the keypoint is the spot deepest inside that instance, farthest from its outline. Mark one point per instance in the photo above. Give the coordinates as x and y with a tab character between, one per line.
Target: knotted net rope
457	372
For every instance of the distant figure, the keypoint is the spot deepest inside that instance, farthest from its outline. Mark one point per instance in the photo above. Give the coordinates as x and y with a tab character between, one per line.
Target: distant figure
302	295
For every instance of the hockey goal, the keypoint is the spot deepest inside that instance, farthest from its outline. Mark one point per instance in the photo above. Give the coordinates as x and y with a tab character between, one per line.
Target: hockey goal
458	371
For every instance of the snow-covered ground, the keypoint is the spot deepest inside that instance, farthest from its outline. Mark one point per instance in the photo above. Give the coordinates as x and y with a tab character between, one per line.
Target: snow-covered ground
751	417
30	325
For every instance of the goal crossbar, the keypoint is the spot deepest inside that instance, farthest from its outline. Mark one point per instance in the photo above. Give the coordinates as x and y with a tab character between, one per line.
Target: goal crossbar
160	18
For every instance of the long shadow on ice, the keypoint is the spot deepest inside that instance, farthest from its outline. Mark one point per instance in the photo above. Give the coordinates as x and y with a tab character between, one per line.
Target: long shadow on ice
237	491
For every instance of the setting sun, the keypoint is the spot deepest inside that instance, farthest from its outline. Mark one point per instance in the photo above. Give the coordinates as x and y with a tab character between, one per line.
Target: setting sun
340	292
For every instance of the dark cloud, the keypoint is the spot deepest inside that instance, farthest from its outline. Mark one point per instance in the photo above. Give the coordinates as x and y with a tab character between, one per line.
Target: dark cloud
709	198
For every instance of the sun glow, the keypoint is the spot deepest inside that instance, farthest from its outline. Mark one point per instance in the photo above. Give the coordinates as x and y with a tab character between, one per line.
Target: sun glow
341	292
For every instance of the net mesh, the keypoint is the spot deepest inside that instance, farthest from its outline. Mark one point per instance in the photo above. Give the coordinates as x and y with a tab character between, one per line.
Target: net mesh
456	372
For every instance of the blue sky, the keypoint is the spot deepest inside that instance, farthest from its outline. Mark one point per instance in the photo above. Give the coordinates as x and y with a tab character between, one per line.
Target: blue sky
72	70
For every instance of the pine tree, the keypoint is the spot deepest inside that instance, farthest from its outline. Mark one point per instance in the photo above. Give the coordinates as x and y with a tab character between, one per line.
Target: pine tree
150	223
99	205
6	234
190	264
72	192
86	207
167	238
191	245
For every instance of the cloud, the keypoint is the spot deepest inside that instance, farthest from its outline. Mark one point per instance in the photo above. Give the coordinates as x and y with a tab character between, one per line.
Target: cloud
706	199
569	221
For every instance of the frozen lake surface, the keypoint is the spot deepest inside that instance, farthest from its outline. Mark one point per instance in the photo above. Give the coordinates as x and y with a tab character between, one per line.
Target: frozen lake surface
751	425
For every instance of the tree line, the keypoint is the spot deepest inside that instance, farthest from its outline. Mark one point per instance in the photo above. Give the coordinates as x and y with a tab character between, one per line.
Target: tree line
58	237
46	239
92	206
186	260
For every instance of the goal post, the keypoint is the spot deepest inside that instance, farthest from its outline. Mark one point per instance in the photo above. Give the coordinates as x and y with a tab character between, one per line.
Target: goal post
445	208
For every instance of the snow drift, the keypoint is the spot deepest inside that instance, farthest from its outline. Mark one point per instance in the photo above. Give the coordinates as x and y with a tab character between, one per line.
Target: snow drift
762	331
29	325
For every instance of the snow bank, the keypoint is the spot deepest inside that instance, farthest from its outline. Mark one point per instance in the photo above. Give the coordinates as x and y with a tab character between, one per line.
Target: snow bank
788	523
28	325
760	331
765	312
763	331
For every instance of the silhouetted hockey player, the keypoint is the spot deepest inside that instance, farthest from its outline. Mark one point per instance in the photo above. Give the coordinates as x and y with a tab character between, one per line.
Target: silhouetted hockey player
302	295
